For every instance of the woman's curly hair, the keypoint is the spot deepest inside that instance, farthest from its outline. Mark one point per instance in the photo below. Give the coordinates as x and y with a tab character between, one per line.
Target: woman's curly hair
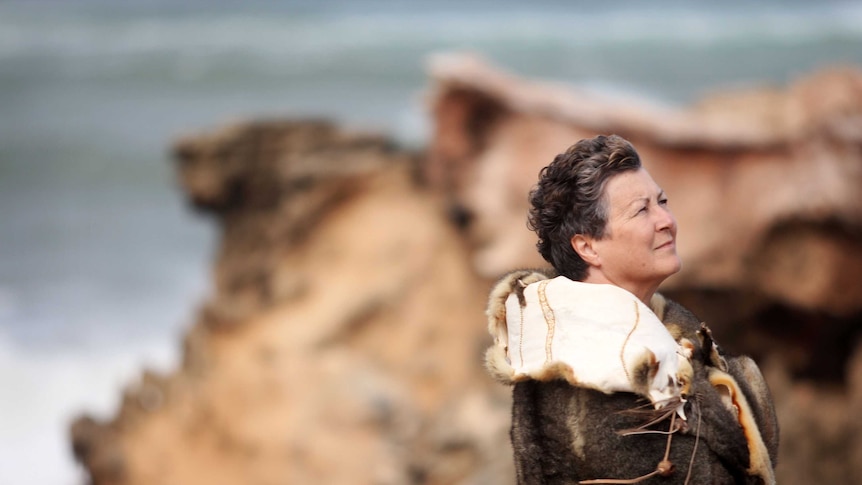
569	198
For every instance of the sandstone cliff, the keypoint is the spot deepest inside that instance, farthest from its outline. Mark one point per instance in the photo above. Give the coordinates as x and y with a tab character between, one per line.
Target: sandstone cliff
343	341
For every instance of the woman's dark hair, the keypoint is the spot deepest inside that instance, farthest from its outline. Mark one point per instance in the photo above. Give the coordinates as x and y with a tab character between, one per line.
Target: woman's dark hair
569	198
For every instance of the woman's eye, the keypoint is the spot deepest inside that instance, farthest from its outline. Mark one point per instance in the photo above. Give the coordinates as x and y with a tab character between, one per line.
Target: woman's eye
662	201
642	209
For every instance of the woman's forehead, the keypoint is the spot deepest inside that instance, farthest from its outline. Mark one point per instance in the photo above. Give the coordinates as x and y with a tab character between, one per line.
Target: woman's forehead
631	185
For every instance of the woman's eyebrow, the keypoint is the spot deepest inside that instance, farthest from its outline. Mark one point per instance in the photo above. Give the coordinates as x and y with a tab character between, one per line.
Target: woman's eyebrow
635	202
645	199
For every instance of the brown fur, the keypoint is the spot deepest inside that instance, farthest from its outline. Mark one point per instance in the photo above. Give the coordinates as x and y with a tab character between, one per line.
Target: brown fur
657	304
732	395
644	372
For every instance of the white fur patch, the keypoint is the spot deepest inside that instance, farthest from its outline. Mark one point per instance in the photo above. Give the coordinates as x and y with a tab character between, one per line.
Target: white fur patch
596	334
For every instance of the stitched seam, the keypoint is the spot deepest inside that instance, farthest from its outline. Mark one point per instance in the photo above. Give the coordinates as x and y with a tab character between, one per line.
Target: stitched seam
626	341
550	321
521	338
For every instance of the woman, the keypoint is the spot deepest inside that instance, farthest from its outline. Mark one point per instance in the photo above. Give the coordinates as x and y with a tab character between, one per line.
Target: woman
612	382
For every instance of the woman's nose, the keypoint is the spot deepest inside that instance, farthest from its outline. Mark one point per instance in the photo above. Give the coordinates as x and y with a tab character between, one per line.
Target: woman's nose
665	220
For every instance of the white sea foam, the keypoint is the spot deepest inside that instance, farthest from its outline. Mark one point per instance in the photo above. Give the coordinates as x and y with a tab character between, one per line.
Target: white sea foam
43	392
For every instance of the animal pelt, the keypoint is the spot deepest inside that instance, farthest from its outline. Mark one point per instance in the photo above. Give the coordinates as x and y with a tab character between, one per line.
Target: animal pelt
562	434
596	336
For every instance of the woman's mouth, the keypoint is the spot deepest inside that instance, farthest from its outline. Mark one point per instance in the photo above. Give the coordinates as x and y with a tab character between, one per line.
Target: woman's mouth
666	245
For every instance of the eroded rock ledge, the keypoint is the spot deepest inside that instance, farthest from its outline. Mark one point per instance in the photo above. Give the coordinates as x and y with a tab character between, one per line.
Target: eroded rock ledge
342	342
335	347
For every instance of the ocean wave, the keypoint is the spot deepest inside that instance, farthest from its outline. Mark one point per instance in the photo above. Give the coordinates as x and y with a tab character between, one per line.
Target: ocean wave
284	37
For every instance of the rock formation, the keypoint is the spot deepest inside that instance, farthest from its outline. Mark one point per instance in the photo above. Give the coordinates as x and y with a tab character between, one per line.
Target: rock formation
343	340
339	346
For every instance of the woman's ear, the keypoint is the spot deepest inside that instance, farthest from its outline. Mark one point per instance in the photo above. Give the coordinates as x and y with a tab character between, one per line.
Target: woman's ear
583	245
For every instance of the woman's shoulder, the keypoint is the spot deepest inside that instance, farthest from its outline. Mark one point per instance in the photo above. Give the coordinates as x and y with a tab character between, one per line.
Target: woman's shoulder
736	378
679	320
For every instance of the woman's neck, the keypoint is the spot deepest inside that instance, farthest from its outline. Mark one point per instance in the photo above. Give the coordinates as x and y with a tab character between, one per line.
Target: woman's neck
642	292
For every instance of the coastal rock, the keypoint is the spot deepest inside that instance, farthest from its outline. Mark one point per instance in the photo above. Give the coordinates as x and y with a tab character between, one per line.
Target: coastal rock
337	347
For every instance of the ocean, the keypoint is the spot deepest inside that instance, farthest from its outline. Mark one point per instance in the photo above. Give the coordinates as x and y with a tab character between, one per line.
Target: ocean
102	264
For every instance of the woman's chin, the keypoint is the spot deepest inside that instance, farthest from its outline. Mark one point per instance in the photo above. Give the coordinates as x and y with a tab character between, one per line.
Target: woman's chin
673	267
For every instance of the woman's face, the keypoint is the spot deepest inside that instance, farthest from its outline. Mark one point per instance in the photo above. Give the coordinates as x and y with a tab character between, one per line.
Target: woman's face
638	250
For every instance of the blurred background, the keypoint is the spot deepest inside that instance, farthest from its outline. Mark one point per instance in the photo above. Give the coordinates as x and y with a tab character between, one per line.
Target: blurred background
102	266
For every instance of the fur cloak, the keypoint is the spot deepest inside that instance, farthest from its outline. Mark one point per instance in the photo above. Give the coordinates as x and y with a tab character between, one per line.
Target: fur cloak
565	432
